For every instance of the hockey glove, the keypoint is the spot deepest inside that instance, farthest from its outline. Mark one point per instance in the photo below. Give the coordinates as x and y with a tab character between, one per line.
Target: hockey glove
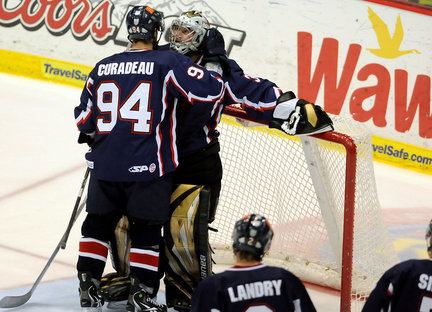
298	117
86	138
213	48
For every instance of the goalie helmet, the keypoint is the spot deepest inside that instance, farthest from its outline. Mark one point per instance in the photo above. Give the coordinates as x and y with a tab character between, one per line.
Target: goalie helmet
187	32
253	234
144	23
428	237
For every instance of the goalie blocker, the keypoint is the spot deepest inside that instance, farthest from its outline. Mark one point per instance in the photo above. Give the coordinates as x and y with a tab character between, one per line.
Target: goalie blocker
299	117
187	250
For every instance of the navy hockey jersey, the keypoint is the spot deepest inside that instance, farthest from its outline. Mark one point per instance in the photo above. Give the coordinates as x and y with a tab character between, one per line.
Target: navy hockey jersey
258	288
256	96
129	103
405	287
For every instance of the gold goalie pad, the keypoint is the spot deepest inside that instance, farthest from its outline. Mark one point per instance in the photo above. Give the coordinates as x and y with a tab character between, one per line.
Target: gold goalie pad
187	250
121	247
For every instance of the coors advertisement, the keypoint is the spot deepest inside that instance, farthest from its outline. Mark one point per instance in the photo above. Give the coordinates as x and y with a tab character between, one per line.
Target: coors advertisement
103	21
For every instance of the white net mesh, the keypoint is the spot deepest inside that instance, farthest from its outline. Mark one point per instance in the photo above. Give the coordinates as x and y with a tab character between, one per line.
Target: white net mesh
303	195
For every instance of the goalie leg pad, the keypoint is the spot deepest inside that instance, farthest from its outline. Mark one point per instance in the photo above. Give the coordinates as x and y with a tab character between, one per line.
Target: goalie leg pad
186	244
120	246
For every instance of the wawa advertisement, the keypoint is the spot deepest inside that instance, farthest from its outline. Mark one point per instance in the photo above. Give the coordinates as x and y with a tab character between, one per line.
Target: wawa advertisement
355	58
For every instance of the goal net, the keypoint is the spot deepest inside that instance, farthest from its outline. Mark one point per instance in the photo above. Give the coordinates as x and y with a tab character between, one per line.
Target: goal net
320	195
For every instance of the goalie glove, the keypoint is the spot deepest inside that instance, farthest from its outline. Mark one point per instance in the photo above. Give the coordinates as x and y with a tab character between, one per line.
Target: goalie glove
213	49
298	117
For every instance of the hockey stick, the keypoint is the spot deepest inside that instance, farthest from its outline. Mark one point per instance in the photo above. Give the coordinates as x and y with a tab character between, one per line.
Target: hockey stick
74	211
16	301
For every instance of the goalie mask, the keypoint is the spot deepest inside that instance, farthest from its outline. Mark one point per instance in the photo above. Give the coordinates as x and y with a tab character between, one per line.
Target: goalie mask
144	23
252	234
187	32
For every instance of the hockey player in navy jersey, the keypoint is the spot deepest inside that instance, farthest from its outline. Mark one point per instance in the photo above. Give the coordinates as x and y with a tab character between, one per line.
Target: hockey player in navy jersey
128	110
406	287
251	285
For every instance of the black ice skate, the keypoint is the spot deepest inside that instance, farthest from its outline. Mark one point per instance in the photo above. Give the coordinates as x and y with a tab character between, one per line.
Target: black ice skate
140	299
88	290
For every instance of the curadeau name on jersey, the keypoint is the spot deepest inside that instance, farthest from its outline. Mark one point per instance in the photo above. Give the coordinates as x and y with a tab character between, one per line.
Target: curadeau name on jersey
125	68
255	290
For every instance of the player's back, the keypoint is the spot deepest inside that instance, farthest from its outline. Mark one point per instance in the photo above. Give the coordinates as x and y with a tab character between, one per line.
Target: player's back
405	287
132	98
257	288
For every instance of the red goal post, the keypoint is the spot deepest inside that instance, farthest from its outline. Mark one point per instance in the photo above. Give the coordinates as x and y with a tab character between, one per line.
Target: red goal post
312	189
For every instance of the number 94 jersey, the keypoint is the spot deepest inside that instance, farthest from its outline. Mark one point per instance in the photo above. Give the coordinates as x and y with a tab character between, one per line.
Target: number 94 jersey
129	104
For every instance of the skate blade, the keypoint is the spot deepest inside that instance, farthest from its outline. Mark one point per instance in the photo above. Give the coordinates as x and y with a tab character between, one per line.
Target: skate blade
92	309
117	305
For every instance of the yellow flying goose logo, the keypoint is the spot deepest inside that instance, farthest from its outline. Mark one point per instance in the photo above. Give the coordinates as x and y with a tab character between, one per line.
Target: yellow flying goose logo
389	46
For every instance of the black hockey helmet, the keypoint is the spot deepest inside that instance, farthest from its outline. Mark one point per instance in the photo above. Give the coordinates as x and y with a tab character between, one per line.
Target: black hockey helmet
428	237
252	234
143	23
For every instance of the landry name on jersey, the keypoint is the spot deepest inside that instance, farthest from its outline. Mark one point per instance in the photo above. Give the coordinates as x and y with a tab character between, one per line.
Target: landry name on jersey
257	288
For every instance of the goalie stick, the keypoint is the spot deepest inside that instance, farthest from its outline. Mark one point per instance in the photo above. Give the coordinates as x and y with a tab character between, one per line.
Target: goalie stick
16	301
